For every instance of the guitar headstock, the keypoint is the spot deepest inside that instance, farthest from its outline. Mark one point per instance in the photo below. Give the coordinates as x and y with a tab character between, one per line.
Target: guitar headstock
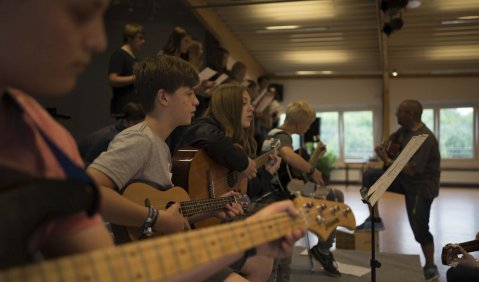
243	200
322	216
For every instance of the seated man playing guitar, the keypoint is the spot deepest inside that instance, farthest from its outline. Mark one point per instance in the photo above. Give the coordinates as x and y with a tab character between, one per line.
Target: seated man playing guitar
299	117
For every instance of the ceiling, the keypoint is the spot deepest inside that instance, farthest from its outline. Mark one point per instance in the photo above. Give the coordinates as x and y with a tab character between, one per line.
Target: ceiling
345	38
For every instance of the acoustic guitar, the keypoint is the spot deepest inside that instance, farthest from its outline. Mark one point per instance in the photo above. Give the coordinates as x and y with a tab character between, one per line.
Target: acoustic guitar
194	170
300	179
163	257
142	193
450	251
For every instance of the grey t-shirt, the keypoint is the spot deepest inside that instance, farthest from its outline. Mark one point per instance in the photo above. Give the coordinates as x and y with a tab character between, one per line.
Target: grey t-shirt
136	154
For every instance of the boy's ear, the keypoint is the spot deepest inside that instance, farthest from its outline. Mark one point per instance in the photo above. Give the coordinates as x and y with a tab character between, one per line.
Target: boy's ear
162	97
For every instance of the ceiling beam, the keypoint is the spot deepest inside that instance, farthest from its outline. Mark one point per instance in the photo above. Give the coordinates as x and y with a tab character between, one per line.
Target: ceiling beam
214	24
383	47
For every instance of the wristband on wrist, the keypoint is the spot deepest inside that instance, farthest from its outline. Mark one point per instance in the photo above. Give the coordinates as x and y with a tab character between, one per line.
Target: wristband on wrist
150	221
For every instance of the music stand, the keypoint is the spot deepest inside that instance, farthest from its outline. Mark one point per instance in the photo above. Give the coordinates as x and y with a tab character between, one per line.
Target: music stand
371	197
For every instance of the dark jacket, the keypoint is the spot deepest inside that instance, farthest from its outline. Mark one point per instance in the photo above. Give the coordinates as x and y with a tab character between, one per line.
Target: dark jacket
206	133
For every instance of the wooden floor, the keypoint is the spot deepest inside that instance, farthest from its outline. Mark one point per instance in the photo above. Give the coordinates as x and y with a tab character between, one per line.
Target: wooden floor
454	219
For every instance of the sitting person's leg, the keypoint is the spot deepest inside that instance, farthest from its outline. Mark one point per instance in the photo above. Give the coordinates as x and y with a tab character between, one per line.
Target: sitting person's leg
321	251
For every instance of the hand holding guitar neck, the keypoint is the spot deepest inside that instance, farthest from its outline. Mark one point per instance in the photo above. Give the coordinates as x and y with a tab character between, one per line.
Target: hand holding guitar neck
450	253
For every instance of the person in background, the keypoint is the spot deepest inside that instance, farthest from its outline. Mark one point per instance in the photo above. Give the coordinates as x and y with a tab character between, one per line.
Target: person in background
418	181
299	117
237	73
178	43
226	135
97	142
120	71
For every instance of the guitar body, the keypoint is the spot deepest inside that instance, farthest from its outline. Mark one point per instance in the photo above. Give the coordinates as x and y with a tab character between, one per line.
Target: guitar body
202	177
138	192
197	172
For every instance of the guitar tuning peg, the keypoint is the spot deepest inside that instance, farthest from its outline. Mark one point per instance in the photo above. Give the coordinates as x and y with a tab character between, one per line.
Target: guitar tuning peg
346	211
319	219
321	207
308	205
334	209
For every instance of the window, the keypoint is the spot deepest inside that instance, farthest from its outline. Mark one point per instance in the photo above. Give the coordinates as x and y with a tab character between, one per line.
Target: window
348	134
454	129
329	130
358	135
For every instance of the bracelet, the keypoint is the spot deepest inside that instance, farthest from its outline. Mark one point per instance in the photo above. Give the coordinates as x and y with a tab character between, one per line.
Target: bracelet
148	225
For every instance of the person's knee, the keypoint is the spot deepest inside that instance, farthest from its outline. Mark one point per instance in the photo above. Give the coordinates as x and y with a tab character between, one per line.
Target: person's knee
423	237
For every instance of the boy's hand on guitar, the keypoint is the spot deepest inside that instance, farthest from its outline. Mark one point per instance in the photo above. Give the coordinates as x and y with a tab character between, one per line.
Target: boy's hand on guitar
273	164
250	171
281	247
171	220
231	210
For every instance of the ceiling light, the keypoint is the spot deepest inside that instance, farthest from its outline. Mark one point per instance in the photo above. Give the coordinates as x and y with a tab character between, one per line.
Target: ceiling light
314	72
413	4
290	29
453	53
296	11
469	18
316	57
282	27
394	73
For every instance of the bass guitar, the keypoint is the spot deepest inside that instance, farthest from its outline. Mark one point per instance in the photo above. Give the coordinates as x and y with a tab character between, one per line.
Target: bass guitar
144	194
161	258
450	251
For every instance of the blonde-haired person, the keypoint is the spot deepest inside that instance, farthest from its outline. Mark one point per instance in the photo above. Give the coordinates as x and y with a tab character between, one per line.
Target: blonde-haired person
120	70
299	118
226	124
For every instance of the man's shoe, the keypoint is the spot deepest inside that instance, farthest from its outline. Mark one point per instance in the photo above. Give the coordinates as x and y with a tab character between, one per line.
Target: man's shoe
366	225
430	272
327	261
